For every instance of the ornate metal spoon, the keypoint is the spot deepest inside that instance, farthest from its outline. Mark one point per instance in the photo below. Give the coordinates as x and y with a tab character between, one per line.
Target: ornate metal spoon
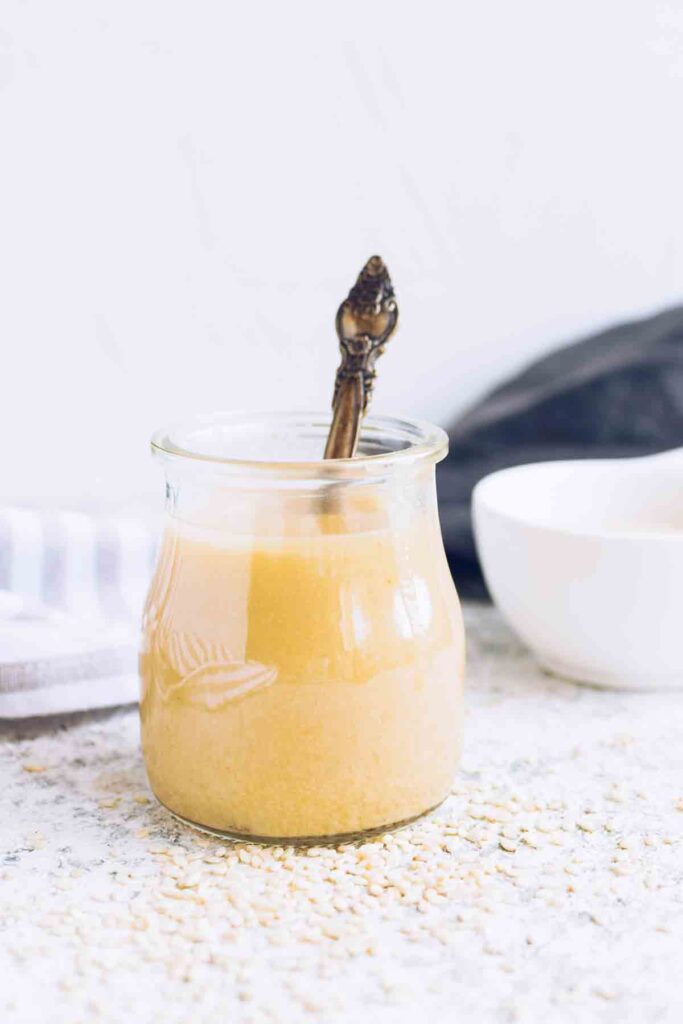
365	322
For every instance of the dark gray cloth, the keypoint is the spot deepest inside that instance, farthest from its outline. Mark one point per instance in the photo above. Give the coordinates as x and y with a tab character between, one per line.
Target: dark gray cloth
616	394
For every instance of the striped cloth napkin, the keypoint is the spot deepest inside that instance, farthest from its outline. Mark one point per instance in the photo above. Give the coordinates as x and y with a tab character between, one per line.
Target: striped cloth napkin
72	586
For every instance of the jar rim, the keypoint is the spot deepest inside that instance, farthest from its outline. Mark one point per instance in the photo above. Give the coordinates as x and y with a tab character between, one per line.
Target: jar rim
386	442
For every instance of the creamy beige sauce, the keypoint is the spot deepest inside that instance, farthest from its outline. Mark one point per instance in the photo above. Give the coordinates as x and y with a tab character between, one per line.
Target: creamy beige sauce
300	686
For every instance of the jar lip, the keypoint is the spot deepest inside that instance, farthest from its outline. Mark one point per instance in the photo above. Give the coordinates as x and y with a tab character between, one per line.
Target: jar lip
417	441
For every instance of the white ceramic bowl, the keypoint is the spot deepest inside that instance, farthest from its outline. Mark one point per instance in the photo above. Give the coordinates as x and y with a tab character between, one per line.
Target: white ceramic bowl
585	561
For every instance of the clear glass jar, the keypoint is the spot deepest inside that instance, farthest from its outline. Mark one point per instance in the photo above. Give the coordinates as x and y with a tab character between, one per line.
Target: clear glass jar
303	646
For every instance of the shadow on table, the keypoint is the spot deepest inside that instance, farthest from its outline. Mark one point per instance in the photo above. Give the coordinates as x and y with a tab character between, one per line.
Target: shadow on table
29	728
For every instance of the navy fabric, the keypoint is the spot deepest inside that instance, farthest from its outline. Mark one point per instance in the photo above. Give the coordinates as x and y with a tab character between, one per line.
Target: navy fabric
616	394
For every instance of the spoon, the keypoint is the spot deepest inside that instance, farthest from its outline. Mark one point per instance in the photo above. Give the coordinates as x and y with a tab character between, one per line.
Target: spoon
365	321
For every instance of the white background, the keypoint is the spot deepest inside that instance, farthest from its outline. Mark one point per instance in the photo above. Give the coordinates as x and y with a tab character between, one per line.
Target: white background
187	190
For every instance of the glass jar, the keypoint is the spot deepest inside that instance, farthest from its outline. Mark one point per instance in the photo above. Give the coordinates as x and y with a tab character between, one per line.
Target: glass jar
303	645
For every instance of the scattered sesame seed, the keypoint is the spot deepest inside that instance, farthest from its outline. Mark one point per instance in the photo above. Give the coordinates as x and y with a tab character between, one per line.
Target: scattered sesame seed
266	926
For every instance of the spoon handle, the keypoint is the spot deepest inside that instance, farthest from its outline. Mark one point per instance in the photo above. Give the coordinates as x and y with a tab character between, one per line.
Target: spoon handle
348	407
365	321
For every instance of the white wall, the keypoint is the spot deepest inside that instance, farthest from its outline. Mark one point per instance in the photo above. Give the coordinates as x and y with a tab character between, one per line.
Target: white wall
187	190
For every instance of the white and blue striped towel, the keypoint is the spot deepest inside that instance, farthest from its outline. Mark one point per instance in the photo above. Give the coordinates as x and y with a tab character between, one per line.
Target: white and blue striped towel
72	585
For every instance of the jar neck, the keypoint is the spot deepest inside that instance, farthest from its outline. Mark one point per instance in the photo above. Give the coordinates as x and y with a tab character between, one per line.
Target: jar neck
257	507
264	473
289	446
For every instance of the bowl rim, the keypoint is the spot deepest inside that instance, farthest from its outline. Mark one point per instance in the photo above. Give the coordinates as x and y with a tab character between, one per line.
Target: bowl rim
482	501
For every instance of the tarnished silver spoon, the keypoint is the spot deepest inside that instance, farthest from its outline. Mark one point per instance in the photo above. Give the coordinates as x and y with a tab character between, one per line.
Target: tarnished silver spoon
365	321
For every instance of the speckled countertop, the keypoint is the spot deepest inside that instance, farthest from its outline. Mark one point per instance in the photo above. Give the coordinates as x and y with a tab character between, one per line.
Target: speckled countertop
549	887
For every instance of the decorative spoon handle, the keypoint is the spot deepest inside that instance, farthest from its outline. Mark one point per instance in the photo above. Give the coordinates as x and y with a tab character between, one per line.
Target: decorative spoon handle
365	322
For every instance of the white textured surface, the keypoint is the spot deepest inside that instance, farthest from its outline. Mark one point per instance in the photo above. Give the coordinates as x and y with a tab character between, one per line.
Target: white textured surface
581	921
